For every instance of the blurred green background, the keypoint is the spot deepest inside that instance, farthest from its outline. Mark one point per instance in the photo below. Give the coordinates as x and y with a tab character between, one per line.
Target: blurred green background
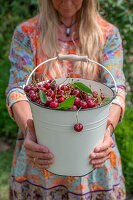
13	12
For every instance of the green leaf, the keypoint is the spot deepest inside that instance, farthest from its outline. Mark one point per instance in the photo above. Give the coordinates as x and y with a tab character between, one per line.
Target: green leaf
83	88
42	96
68	103
105	100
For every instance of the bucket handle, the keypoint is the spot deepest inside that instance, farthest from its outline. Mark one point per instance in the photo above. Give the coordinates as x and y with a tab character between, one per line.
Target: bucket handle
72	57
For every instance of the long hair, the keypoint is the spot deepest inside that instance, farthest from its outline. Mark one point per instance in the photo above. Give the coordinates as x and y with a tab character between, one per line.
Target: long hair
90	33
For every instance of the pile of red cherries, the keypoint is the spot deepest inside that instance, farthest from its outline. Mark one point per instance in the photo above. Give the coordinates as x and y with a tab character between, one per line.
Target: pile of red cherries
55	94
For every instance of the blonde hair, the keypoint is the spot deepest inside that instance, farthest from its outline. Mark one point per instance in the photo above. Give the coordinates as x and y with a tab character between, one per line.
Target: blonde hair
90	33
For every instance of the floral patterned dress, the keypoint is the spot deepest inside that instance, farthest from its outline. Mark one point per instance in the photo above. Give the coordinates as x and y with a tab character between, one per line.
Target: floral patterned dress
28	182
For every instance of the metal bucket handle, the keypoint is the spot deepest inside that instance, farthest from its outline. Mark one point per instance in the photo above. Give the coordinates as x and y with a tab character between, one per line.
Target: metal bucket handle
72	57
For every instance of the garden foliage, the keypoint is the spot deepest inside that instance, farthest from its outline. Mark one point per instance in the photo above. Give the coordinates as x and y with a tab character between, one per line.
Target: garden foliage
118	12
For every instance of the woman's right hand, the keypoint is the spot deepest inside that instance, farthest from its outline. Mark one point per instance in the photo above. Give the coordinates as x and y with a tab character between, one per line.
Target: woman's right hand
37	154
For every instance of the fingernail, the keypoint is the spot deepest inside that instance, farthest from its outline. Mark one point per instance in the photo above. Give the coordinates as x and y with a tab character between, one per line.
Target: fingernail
98	149
45	151
93	155
49	156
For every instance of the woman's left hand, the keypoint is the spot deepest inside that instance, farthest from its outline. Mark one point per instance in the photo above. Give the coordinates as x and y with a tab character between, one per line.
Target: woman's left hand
102	152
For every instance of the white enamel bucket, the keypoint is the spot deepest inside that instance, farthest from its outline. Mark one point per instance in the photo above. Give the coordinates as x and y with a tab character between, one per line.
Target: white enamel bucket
55	128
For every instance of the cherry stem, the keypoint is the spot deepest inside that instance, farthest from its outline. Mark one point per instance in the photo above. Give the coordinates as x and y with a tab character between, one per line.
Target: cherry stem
63	82
77	115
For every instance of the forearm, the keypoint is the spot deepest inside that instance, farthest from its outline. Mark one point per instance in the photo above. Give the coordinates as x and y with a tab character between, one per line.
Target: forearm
21	112
114	116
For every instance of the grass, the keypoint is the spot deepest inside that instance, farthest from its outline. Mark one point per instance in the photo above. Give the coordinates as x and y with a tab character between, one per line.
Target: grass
5	168
124	138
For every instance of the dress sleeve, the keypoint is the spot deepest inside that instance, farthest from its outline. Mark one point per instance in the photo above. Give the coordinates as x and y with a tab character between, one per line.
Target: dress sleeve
113	60
22	63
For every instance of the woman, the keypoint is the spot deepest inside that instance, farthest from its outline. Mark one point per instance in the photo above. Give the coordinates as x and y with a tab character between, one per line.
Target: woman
66	27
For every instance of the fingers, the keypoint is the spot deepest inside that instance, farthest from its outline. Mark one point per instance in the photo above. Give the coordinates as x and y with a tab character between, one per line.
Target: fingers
99	162
39	159
39	155
34	147
107	142
101	152
30	142
42	164
30	123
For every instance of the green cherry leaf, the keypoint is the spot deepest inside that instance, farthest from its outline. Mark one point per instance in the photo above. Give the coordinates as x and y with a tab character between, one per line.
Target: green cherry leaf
68	103
42	96
83	88
105	100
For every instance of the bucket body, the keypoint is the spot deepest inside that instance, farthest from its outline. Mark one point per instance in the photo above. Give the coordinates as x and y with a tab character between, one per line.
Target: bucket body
71	149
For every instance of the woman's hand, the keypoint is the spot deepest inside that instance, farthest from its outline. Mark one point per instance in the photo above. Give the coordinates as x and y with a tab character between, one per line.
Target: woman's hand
37	154
102	152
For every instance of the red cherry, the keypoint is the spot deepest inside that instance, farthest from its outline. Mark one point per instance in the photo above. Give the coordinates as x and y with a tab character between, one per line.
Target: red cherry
91	104
61	92
37	96
38	101
52	81
44	90
50	93
78	127
29	87
94	93
74	107
41	103
65	87
61	99
77	101
49	100
83	104
102	97
31	92
47	85
54	104
86	96
33	97
76	92
39	85
53	86
36	89
71	87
